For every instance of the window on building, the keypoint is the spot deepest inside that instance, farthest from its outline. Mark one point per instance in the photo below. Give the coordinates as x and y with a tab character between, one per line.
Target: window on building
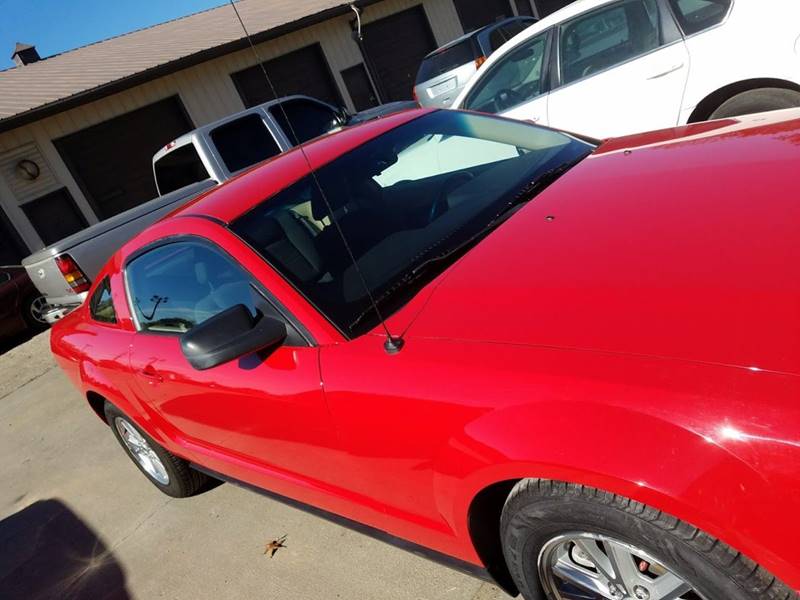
696	15
101	306
524	8
179	168
548	7
604	38
54	216
244	142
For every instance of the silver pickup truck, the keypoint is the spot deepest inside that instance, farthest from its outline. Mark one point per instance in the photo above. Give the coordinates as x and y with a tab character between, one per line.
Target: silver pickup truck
183	169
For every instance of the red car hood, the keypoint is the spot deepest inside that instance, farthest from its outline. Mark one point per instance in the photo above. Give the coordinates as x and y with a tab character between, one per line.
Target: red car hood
681	244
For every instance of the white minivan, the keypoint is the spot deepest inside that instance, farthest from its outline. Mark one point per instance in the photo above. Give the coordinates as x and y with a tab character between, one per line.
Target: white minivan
613	67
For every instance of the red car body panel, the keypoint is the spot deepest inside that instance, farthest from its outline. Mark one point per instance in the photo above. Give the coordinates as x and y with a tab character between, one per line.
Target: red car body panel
645	341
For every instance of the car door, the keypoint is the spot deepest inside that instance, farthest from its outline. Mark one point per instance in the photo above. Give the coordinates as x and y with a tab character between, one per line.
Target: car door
622	69
267	411
517	84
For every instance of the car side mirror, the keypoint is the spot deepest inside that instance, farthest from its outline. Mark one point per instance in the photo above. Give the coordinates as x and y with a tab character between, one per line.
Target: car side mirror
231	334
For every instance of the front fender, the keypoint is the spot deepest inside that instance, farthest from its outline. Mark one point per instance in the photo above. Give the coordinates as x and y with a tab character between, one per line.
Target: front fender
628	452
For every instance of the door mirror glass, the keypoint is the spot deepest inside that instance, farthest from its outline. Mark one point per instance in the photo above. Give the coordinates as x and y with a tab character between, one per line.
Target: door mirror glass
229	335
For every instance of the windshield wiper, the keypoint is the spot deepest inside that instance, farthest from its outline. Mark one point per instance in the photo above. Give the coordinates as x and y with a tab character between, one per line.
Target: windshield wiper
532	189
525	194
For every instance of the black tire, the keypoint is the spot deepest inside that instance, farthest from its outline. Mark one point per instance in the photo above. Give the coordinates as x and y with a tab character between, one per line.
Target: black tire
756	101
183	480
34	322
538	510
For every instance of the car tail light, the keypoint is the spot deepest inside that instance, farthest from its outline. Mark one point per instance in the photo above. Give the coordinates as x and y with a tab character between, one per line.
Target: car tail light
72	273
479	61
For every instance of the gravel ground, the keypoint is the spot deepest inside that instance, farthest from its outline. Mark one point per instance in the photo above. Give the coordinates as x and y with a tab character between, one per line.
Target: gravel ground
25	363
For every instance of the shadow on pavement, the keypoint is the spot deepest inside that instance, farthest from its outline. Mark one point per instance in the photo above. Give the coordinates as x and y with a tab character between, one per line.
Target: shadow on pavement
9	343
46	551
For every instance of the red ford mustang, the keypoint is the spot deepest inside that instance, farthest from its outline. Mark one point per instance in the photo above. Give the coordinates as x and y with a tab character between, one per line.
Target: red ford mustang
588	382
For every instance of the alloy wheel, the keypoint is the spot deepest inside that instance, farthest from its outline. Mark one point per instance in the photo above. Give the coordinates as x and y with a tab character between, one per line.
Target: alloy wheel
141	451
37	308
587	566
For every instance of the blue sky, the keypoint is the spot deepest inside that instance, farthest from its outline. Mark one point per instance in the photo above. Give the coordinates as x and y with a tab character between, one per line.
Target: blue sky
54	26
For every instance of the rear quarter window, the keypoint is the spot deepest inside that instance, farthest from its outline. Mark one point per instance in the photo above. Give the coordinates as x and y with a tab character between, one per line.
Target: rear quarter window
179	168
244	142
101	305
695	16
303	120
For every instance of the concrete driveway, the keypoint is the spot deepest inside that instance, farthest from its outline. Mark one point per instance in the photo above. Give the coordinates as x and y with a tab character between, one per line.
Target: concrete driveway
79	521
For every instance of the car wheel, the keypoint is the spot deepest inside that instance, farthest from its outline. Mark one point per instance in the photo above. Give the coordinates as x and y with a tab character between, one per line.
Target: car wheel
169	473
564	541
755	101
32	311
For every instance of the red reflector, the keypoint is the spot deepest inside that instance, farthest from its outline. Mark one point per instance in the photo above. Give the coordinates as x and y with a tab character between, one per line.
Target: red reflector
72	273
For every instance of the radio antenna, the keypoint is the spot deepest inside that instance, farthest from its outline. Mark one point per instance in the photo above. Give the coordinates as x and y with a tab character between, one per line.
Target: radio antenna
393	344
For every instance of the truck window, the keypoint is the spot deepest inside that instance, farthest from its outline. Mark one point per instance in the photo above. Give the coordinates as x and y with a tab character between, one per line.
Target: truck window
179	168
244	142
308	119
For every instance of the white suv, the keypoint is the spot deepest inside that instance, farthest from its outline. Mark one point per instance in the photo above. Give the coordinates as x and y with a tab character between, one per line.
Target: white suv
613	67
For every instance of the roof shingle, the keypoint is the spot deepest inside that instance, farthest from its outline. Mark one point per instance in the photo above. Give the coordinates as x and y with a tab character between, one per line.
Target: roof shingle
63	76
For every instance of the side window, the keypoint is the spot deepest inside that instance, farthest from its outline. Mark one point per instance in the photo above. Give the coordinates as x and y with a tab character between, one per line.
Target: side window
516	78
608	37
244	142
174	287
101	306
501	35
308	119
696	15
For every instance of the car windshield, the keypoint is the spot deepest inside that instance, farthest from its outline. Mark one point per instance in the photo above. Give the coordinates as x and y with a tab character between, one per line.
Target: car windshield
408	202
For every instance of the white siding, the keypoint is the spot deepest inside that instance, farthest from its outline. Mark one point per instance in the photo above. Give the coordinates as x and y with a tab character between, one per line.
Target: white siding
207	92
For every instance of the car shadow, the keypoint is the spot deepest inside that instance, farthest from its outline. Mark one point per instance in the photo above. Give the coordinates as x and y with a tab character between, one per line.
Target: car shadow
47	551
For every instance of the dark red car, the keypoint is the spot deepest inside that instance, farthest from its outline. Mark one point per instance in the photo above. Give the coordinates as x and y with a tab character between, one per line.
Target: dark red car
21	304
588	382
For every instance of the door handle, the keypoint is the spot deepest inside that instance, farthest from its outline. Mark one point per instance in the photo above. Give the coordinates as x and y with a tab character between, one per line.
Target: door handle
672	69
151	375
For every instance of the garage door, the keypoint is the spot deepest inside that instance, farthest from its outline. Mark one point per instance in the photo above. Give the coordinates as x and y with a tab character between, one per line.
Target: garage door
396	46
111	161
474	15
303	71
547	7
12	250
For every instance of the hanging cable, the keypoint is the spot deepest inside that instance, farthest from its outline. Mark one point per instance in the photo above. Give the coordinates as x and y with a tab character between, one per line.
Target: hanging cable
393	344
